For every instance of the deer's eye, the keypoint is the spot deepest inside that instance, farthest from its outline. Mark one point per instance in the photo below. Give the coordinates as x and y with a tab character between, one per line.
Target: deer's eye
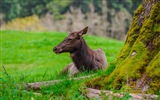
70	39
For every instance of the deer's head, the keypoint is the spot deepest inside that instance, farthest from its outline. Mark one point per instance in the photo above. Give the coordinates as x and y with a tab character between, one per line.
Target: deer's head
71	42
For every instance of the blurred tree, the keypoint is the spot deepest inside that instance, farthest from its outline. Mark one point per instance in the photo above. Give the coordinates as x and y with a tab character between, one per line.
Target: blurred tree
57	8
22	8
130	5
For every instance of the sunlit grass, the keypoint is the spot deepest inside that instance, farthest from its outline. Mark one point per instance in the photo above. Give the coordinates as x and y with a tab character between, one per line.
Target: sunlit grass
30	53
28	57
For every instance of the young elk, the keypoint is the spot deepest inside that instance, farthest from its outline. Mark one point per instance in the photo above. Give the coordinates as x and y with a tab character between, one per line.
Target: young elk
82	56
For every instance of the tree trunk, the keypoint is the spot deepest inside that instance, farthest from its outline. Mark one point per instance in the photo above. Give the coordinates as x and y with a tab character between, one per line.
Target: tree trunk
137	67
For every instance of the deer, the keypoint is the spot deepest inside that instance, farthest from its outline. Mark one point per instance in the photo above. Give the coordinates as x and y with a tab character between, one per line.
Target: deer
83	58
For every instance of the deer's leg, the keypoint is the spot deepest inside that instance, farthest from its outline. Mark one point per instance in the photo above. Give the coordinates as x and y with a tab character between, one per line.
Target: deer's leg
73	71
65	70
70	69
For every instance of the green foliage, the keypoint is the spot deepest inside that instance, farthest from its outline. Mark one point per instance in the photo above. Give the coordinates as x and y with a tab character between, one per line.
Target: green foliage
22	8
130	5
58	7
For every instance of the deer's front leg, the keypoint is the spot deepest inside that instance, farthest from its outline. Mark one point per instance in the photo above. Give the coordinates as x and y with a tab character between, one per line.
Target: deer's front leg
70	69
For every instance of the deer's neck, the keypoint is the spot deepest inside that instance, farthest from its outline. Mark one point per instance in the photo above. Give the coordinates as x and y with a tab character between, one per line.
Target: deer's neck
82	57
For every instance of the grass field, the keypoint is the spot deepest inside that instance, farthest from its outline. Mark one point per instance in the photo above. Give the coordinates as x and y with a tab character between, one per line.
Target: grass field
28	57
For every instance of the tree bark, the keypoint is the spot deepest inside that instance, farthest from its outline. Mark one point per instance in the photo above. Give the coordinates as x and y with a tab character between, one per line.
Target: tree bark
137	67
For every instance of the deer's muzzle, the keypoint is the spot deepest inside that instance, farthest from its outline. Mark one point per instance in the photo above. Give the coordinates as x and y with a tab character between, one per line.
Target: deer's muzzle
57	50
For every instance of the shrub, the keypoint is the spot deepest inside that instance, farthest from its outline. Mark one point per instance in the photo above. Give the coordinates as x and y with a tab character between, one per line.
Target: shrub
30	23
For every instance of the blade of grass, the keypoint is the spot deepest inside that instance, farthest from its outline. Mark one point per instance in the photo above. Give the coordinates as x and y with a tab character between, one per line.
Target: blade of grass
45	73
5	71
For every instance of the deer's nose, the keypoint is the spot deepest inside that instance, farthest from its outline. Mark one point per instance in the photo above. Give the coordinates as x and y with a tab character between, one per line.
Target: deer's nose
54	49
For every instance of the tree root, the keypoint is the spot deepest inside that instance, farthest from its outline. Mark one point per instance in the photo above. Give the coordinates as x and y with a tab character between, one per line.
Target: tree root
38	85
94	93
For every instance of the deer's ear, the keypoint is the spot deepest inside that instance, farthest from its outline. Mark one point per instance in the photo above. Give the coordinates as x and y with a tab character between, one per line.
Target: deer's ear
84	31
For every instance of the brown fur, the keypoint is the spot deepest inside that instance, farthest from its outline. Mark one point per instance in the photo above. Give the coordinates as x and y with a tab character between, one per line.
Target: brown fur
83	57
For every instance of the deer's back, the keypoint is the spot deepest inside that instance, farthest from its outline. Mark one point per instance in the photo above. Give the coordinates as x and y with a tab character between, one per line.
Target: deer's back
100	59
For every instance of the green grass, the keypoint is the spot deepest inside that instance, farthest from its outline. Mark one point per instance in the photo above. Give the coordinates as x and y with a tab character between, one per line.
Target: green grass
28	57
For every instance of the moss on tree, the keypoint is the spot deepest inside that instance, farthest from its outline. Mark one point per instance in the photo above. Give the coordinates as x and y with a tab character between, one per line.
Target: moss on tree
137	66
